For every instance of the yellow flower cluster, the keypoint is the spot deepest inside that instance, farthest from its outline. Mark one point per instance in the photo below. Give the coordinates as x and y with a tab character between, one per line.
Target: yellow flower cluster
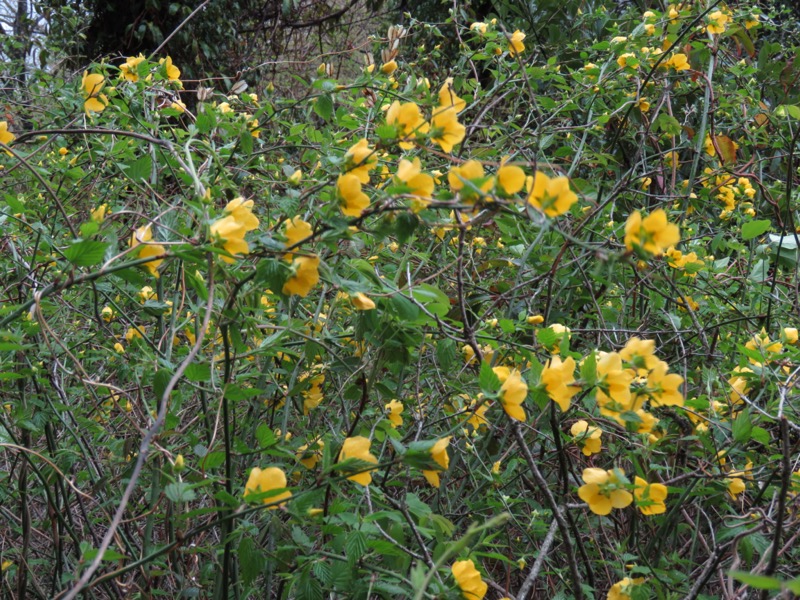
629	378
689	263
443	128
231	229
732	192
604	490
92	87
652	234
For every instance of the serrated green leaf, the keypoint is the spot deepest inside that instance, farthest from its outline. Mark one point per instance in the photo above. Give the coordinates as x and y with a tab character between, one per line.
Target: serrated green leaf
140	168
86	253
180	491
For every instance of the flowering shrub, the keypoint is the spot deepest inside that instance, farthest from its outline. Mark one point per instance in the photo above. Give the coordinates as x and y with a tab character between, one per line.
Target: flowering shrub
487	324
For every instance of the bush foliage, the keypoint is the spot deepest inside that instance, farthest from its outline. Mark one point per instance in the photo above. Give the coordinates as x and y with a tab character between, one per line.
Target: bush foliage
474	322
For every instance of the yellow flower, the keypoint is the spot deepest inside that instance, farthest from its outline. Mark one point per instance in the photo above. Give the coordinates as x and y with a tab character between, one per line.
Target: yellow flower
146	293
469	581
362	302
92	86
510	179
604	491
477	413
98	215
305	277
119	348
738	384
551	196
178	105
389	67
393	411
557	378
650	497
445	128
6	563
587	437
359	160
173	72
753	21
107	313
438	454
613	392
735	486
296	177
6	137
513	392
496	466
267	480
679	62
534	320
789	335
448	97
653	234
408	121
622	60
358	447
296	230
310	454
469	180
717	22
353	201
622	590
130	67
421	184
763	345
515	45
663	386
142	237
232	228
313	395
131	334
479	27
180	463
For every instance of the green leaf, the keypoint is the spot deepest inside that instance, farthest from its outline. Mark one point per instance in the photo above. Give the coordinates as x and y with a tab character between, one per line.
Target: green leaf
743	427
589	369
160	382
788	110
324	107
180	491
446	354
89	554
251	561
246	142
488	381
760	582
760	435
755	228
86	253
198	372
140	168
